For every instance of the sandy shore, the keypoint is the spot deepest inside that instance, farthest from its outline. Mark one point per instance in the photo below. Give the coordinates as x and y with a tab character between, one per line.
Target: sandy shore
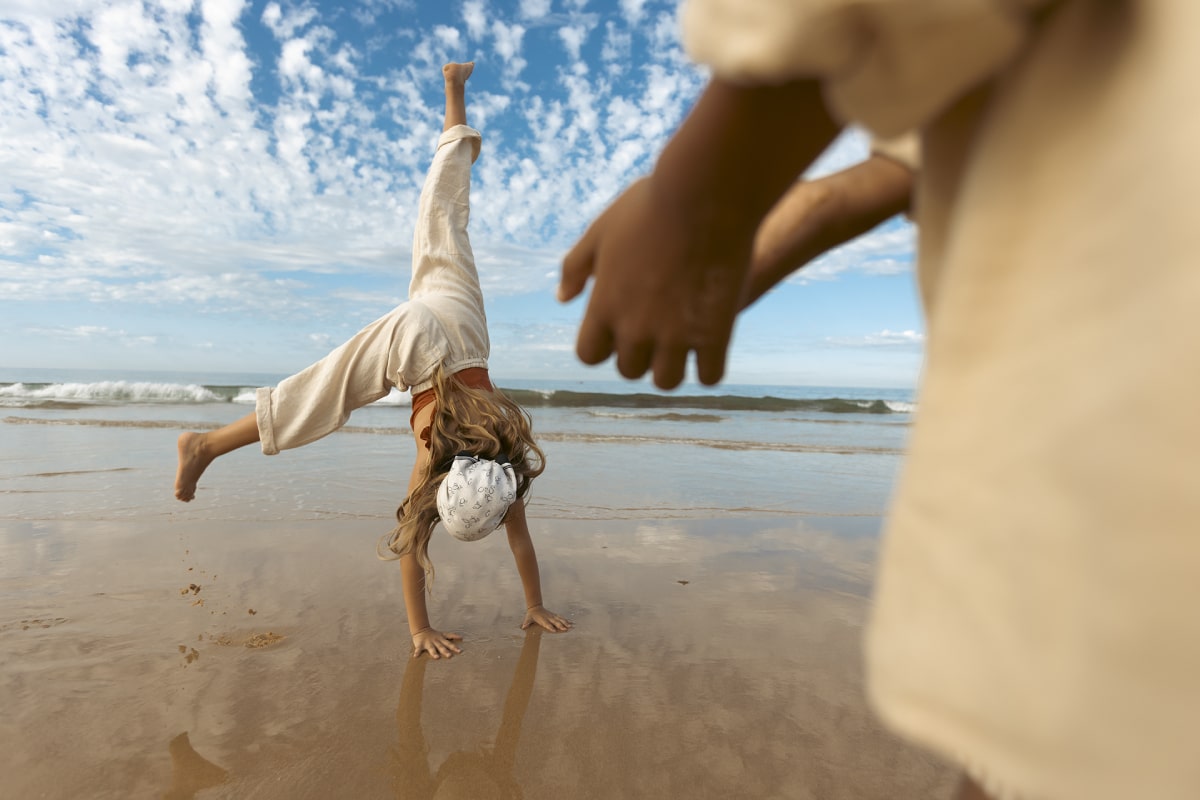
208	659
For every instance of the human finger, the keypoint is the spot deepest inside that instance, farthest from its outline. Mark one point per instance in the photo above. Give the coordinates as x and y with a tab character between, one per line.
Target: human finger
633	358
595	340
710	363
670	364
454	637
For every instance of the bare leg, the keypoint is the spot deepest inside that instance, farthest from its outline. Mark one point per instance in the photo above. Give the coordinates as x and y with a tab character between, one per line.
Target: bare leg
197	451
456	104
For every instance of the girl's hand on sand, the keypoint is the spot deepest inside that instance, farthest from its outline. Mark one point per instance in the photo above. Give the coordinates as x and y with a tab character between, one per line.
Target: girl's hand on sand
666	281
436	643
538	615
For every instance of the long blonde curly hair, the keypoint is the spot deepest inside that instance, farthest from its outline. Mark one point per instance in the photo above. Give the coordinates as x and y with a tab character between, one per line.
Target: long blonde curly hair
465	419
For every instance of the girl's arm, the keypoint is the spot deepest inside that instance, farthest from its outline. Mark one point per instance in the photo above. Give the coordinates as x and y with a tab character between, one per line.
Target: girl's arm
425	638
517	528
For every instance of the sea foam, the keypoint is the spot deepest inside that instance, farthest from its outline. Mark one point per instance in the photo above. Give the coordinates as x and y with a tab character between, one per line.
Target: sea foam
106	393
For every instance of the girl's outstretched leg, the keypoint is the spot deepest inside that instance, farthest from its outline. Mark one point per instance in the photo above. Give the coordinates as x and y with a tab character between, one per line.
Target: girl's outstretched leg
197	451
456	103
443	265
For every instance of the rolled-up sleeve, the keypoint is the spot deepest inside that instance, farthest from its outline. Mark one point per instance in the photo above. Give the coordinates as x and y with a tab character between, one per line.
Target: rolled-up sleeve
889	65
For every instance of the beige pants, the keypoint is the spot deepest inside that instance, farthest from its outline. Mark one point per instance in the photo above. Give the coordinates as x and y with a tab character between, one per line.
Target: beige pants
443	322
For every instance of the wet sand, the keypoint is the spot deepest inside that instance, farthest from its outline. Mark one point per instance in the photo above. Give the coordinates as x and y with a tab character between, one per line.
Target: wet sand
189	658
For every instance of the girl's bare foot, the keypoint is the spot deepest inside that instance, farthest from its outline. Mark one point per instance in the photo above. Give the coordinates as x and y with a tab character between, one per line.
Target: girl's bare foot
458	73
193	460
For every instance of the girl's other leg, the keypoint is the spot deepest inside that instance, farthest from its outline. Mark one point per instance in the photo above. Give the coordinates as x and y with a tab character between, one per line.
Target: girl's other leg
197	451
456	103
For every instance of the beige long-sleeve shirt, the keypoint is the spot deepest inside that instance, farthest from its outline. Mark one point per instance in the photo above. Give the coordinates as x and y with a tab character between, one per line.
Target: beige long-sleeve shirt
1037	613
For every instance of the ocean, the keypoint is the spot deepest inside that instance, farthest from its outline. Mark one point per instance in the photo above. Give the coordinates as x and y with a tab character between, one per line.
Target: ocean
98	444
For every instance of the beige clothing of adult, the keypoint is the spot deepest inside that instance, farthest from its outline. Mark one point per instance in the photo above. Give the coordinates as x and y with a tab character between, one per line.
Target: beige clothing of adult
443	321
1037	614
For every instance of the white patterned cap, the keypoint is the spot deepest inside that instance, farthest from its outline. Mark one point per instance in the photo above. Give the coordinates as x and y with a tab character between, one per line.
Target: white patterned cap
475	496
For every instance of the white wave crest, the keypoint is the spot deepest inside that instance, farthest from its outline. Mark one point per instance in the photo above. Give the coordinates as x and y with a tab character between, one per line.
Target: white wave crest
396	398
248	397
114	392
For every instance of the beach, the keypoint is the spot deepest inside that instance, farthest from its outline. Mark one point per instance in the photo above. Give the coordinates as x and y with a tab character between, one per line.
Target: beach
717	566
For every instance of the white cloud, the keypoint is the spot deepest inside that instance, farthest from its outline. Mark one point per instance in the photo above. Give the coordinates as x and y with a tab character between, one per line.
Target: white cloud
618	44
633	10
449	37
508	40
474	14
572	38
485	106
665	38
852	147
887	250
285	24
534	9
293	59
223	48
908	339
368	12
92	334
272	15
582	99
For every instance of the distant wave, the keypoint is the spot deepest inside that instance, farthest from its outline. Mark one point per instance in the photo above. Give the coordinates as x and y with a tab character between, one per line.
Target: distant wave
669	416
115	393
75	395
721	402
107	393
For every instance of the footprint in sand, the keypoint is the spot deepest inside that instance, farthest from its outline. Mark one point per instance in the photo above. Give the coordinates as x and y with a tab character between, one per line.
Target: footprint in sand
256	641
27	624
264	639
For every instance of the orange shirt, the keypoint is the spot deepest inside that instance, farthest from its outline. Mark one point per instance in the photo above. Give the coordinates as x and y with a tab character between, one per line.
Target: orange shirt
475	377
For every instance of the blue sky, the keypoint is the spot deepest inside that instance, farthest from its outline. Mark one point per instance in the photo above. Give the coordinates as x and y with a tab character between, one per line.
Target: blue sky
229	185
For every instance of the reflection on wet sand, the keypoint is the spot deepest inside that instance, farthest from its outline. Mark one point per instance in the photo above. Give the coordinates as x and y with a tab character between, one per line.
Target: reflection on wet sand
190	771
480	774
710	659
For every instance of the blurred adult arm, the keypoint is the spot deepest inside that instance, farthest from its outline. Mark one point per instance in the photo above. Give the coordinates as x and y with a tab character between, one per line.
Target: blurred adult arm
669	257
816	216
